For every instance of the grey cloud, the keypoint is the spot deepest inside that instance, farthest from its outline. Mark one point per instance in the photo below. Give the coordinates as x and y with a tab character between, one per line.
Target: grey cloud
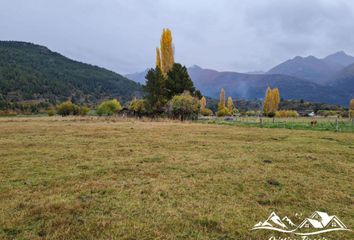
222	34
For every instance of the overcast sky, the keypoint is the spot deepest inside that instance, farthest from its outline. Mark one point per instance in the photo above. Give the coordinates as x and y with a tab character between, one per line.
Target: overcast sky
237	35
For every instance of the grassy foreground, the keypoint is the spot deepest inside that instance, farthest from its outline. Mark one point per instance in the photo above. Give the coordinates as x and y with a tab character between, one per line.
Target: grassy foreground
89	178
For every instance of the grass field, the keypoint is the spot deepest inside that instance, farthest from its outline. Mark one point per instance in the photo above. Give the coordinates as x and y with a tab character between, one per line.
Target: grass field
299	123
105	178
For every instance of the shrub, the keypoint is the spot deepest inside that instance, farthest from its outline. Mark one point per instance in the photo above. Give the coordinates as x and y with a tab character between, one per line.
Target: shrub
138	106
66	108
84	111
345	114
109	107
184	106
270	114
286	114
327	113
75	110
351	113
51	112
206	112
222	112
252	113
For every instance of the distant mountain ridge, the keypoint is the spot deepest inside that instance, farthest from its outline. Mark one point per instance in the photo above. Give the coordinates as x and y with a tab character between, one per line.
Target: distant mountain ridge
327	80
30	72
344	80
253	86
339	58
312	68
138	77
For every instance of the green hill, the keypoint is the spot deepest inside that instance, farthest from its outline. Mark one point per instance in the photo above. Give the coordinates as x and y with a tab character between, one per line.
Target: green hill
33	73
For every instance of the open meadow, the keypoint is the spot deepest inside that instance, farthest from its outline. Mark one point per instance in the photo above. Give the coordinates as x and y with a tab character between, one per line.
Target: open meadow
108	178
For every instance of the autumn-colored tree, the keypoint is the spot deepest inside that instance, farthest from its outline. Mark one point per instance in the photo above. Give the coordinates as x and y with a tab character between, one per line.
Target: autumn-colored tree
184	106
230	105
351	108
271	101
221	105
267	102
275	99
138	106
222	110
203	109
166	50
158	58
202	104
109	107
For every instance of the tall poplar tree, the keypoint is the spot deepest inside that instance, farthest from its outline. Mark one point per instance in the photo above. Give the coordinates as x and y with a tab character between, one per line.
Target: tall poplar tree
275	99
167	52
351	108
267	101
158	58
221	105
271	101
202	104
230	105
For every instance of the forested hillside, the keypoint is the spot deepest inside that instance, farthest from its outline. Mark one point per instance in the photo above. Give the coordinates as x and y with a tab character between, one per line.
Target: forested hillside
33	74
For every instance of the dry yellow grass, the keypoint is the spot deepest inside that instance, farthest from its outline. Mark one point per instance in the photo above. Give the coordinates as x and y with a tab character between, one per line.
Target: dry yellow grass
97	178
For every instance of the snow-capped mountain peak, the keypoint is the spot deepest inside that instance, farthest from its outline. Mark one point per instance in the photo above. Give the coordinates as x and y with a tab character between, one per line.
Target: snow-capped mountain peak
274	219
288	220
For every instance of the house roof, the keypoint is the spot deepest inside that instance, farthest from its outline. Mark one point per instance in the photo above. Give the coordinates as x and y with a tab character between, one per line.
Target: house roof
325	218
315	223
336	219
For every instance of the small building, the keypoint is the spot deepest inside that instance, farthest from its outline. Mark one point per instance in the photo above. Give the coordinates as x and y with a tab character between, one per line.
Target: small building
321	220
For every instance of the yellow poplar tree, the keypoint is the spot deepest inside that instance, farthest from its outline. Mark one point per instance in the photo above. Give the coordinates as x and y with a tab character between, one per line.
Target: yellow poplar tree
271	100
351	108
229	104
167	52
221	105
158	58
267	101
202	104
275	99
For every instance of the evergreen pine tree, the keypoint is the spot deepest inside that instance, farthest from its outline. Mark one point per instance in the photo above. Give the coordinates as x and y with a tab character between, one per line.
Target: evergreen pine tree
178	81
155	90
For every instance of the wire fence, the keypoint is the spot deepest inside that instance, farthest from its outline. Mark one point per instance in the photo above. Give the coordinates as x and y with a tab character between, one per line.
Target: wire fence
301	123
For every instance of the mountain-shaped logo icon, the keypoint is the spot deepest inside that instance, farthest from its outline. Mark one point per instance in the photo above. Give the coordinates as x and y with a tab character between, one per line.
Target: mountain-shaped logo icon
318	222
288	221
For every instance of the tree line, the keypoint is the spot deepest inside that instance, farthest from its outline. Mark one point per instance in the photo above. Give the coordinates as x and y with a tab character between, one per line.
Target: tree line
169	91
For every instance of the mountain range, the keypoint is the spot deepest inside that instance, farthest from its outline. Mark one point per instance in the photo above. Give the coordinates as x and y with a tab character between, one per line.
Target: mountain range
314	69
328	80
30	72
33	73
